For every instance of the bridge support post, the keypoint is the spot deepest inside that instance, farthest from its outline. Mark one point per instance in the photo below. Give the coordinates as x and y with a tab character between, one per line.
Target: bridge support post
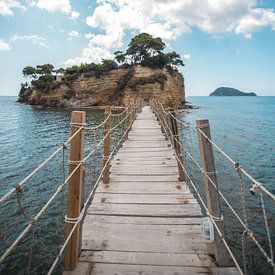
129	115
211	190
75	190
106	150
174	128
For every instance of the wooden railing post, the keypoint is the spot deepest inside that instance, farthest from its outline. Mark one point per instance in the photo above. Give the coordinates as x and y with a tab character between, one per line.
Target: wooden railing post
212	194
174	128
128	121
106	151
75	189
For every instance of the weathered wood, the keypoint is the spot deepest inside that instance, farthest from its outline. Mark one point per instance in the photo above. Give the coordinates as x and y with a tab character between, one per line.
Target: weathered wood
211	190
141	258
144	221
152	178
106	150
141	220
108	269
144	198
155	210
155	244
74	197
174	128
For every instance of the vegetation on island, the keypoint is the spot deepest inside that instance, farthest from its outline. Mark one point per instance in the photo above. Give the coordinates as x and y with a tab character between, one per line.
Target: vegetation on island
144	50
227	91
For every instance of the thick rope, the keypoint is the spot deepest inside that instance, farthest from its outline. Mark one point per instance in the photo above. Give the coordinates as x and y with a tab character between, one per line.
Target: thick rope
85	206
234	163
20	184
59	189
246	229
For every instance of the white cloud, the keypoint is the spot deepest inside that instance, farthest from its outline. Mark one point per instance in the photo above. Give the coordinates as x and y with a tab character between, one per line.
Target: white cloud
35	39
169	19
7	6
88	35
63	6
54	5
4	46
73	34
187	56
74	15
255	20
89	54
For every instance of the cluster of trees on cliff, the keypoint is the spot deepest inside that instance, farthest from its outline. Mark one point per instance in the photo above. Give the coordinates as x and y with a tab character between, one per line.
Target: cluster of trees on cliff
144	50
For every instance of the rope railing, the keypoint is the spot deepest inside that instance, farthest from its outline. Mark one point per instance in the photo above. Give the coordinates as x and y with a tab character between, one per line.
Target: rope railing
255	184
163	117
33	221
90	196
21	183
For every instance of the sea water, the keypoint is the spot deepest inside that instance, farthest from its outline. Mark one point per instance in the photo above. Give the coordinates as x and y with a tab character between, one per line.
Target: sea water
242	126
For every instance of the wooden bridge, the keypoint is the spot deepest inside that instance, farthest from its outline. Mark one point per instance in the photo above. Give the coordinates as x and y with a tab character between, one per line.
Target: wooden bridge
140	216
144	220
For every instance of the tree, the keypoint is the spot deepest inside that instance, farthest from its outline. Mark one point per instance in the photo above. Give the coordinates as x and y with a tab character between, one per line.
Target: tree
143	46
108	64
45	69
174	59
30	71
120	57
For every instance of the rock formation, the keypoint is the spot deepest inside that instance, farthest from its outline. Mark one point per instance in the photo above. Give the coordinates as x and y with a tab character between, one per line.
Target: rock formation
117	87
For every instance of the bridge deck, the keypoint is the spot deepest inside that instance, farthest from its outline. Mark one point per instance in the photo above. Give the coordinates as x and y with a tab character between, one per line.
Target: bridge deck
145	221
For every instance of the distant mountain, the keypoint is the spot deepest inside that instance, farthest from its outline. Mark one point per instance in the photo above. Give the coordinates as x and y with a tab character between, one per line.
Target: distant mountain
226	91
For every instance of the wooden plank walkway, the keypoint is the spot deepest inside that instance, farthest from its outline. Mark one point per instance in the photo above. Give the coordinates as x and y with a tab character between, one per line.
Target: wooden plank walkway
144	221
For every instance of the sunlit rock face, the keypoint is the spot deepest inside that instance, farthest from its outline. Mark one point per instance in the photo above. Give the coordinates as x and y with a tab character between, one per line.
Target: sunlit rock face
117	87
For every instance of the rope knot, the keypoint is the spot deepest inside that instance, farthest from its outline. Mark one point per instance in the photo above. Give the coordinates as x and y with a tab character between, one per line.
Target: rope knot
76	162
72	220
238	168
254	188
19	189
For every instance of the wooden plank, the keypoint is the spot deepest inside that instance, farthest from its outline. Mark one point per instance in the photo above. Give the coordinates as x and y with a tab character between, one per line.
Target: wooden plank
122	169
126	150
163	153
155	210
161	259
151	178
144	198
131	159
165	163
128	243
142	220
118	269
82	268
157	187
151	231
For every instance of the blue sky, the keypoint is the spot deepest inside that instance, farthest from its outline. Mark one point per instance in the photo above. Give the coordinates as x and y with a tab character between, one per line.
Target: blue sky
223	43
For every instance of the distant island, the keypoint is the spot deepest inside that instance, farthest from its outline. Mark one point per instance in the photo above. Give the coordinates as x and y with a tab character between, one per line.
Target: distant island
226	91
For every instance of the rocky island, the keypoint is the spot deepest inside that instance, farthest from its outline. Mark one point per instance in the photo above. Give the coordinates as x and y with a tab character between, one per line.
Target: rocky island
226	91
143	71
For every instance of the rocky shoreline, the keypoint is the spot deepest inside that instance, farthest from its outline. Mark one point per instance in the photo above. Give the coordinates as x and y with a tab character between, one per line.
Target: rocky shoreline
117	87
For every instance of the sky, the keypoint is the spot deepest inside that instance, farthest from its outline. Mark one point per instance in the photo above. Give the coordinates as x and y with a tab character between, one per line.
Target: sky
222	42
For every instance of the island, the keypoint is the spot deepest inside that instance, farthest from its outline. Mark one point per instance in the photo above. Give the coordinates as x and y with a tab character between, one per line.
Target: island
143	71
227	91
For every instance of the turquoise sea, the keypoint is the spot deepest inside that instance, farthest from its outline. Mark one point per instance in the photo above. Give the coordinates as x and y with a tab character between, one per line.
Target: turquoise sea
243	126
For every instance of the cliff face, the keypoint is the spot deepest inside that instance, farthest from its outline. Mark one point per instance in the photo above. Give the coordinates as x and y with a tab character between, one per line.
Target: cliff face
117	87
